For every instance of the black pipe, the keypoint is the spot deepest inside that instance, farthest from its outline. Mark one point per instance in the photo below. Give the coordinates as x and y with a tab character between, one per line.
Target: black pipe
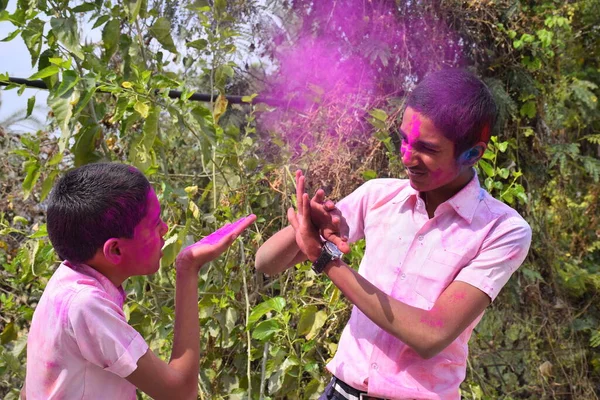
174	94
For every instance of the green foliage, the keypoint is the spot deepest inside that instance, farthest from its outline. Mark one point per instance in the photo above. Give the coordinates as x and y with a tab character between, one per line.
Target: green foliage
270	337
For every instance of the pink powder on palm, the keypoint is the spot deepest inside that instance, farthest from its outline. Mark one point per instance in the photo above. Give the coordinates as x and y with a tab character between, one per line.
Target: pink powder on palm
222	232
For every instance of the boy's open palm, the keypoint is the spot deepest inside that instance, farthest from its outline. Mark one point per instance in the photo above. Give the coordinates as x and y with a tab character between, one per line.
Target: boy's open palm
212	246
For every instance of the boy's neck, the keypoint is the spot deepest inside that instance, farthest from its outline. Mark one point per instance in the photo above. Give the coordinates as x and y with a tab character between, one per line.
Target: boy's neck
434	198
106	269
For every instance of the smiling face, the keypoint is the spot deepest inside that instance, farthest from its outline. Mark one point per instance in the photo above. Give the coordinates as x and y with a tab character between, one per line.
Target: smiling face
429	157
141	254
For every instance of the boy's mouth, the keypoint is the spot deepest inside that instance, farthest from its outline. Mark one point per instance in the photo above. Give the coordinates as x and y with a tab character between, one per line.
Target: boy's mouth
414	172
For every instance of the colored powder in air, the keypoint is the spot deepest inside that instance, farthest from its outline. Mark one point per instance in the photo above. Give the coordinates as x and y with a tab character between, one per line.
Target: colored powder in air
347	57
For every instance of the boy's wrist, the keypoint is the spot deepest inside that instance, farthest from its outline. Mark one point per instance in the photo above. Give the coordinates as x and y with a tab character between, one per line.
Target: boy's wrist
183	267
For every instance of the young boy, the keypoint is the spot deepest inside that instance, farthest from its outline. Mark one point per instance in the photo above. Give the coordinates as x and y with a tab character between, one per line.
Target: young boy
104	222
438	250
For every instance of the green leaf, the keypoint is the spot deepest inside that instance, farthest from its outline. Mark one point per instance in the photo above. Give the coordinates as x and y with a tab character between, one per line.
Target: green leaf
62	108
84	7
9	333
142	108
69	80
369	174
48	183
30	105
487	168
46	72
57	158
248	99
489	155
219	107
100	21
274	304
32	171
89	88
161	30
110	38
11	36
134	7
502	146
503	172
528	109
65	30
199	44
266	329
379	114
85	145
31	144
32	36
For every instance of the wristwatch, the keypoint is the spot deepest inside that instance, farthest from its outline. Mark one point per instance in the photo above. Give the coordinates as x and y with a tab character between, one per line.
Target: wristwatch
329	252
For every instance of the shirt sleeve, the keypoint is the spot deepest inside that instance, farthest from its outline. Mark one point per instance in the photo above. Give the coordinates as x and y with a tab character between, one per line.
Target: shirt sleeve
103	335
354	208
500	256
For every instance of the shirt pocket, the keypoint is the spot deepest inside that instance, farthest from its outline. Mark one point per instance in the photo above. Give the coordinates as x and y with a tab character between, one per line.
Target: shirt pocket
437	272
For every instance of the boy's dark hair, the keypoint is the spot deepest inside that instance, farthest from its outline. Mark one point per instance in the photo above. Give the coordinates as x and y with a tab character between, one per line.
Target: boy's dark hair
92	204
459	104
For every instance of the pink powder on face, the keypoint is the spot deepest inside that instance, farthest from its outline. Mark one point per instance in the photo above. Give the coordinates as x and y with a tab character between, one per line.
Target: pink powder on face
412	135
222	232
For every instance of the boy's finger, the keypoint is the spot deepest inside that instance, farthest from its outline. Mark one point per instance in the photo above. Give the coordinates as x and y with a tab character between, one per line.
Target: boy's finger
249	220
329	205
319	196
299	190
291	214
305	207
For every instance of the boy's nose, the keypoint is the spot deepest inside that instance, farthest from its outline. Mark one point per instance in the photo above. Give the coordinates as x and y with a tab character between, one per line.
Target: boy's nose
408	158
164	228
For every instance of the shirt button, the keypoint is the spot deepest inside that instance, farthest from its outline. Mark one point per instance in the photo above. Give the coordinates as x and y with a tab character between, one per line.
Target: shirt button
421	238
375	366
403	276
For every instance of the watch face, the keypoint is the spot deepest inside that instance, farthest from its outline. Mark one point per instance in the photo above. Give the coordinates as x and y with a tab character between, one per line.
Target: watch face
333	250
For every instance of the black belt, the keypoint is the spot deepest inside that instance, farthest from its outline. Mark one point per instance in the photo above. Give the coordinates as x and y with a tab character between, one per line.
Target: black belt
348	392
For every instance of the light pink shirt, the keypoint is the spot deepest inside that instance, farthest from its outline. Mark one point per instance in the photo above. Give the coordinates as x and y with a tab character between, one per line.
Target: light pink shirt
472	238
80	346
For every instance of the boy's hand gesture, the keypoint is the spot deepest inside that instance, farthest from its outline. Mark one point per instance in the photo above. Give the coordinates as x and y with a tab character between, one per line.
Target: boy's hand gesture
196	255
329	221
325	217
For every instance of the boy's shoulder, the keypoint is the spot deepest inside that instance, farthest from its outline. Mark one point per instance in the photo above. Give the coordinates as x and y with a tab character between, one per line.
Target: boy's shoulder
74	289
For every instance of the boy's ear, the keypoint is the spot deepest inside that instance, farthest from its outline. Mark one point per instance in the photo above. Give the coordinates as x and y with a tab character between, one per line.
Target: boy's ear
112	251
472	155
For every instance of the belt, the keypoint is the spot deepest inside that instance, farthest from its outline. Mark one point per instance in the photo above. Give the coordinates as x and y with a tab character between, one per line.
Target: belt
348	392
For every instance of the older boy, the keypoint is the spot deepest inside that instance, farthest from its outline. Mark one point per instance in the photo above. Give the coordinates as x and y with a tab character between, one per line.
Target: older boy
438	250
104	222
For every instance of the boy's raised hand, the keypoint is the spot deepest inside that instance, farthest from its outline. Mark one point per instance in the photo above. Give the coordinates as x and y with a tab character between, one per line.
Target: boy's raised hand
210	247
326	218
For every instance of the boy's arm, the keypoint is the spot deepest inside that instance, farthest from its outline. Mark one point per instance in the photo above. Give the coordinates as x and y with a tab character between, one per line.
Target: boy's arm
179	378
23	395
426	331
281	250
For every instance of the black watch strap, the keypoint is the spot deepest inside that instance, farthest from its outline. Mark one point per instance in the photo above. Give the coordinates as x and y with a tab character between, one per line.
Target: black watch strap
321	262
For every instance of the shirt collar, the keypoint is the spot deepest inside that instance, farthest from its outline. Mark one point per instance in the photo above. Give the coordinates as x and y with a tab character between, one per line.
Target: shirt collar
116	294
464	202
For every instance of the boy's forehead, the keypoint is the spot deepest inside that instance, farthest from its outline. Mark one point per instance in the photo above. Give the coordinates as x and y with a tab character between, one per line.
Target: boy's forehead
152	204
